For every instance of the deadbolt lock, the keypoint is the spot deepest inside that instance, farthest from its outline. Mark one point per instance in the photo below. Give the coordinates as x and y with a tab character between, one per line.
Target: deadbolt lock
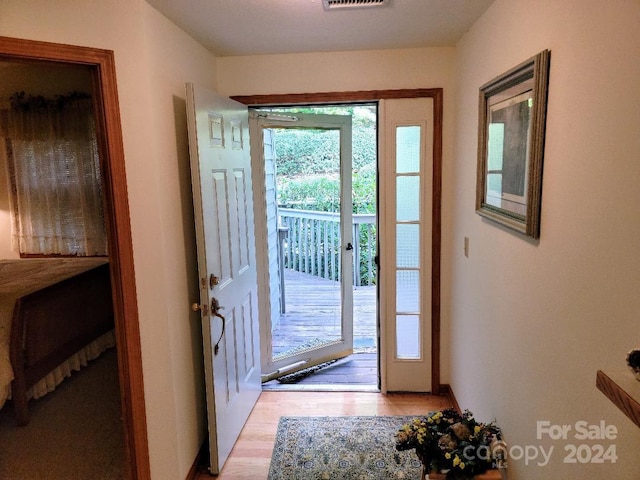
213	281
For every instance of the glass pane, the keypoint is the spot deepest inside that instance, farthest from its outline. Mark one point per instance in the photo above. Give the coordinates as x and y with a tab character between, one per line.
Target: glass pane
408	198
408	336
408	245
408	149
309	179
307	291
407	291
494	183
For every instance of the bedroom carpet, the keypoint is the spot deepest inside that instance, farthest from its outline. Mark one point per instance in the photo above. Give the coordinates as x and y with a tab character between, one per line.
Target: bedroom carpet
345	448
75	432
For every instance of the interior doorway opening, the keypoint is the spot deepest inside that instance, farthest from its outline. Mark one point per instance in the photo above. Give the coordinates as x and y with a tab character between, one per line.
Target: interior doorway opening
108	130
311	295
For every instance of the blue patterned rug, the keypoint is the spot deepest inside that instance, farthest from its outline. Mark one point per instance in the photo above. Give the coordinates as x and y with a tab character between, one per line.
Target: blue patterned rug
341	448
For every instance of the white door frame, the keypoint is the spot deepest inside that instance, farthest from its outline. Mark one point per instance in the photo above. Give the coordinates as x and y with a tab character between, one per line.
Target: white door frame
337	349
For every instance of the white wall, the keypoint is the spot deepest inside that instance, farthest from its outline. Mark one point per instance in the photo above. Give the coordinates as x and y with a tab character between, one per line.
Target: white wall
532	321
336	71
153	61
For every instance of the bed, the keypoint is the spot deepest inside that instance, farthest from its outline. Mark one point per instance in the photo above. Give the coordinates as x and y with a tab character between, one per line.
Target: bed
56	315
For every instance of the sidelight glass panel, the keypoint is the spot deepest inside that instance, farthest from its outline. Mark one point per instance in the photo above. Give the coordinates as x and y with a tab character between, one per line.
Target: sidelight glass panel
408	337
407	291
408	198
408	245
408	242
408	149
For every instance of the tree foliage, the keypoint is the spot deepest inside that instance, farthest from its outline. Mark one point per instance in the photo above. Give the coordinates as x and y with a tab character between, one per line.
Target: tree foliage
308	162
308	176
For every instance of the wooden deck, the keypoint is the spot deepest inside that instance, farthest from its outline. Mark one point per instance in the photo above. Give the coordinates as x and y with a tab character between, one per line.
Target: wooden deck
313	314
357	373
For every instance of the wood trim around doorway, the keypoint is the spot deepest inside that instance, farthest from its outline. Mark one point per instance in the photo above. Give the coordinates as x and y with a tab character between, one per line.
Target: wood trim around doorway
102	65
369	96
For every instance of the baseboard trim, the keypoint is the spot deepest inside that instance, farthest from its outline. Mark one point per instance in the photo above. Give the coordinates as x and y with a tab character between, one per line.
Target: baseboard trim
199	464
447	391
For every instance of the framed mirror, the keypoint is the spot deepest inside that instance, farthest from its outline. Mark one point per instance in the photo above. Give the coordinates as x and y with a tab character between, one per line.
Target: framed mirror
511	145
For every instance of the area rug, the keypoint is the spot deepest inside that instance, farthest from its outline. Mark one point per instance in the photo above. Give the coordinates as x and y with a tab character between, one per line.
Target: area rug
341	448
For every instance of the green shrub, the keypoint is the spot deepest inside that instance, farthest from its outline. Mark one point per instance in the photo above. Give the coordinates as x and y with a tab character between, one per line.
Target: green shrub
322	192
308	174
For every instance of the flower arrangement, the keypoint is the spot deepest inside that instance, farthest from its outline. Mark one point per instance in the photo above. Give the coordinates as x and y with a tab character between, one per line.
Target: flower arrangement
450	442
633	360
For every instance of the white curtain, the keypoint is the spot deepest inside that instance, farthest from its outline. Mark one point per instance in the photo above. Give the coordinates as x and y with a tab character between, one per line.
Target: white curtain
55	176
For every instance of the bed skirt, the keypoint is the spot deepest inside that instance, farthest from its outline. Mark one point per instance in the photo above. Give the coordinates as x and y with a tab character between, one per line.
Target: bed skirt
73	364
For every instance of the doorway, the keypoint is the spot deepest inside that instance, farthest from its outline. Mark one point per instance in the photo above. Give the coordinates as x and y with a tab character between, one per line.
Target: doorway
319	172
423	356
60	230
102	67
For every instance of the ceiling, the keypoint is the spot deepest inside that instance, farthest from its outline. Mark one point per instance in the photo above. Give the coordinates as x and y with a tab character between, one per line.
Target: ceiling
258	27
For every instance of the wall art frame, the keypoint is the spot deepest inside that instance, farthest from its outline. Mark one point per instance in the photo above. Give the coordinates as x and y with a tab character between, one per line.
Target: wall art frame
511	137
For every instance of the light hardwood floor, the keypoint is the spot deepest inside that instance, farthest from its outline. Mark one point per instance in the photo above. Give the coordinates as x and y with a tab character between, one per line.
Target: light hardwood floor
250	458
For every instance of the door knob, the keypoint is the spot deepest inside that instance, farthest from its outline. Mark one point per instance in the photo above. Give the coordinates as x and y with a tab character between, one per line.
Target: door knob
197	307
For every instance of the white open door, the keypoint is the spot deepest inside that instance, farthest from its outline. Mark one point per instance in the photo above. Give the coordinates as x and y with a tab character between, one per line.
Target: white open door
223	207
336	338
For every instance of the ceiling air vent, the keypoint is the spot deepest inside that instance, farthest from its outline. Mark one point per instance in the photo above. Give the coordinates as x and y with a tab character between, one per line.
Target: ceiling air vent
336	4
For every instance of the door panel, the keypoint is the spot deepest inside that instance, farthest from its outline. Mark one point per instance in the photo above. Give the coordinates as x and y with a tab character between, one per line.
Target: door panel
313	235
223	212
220	231
243	228
406	144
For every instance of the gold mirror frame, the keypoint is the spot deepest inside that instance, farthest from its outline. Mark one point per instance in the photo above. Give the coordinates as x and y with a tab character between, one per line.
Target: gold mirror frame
511	131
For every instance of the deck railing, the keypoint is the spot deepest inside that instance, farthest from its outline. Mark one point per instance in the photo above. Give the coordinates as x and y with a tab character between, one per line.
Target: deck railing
312	244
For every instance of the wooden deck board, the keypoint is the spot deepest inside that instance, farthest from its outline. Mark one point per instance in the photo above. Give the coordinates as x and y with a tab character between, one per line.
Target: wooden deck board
313	312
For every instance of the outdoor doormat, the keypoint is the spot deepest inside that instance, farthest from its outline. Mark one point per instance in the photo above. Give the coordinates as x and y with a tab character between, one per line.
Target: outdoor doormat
295	377
302	374
341	448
